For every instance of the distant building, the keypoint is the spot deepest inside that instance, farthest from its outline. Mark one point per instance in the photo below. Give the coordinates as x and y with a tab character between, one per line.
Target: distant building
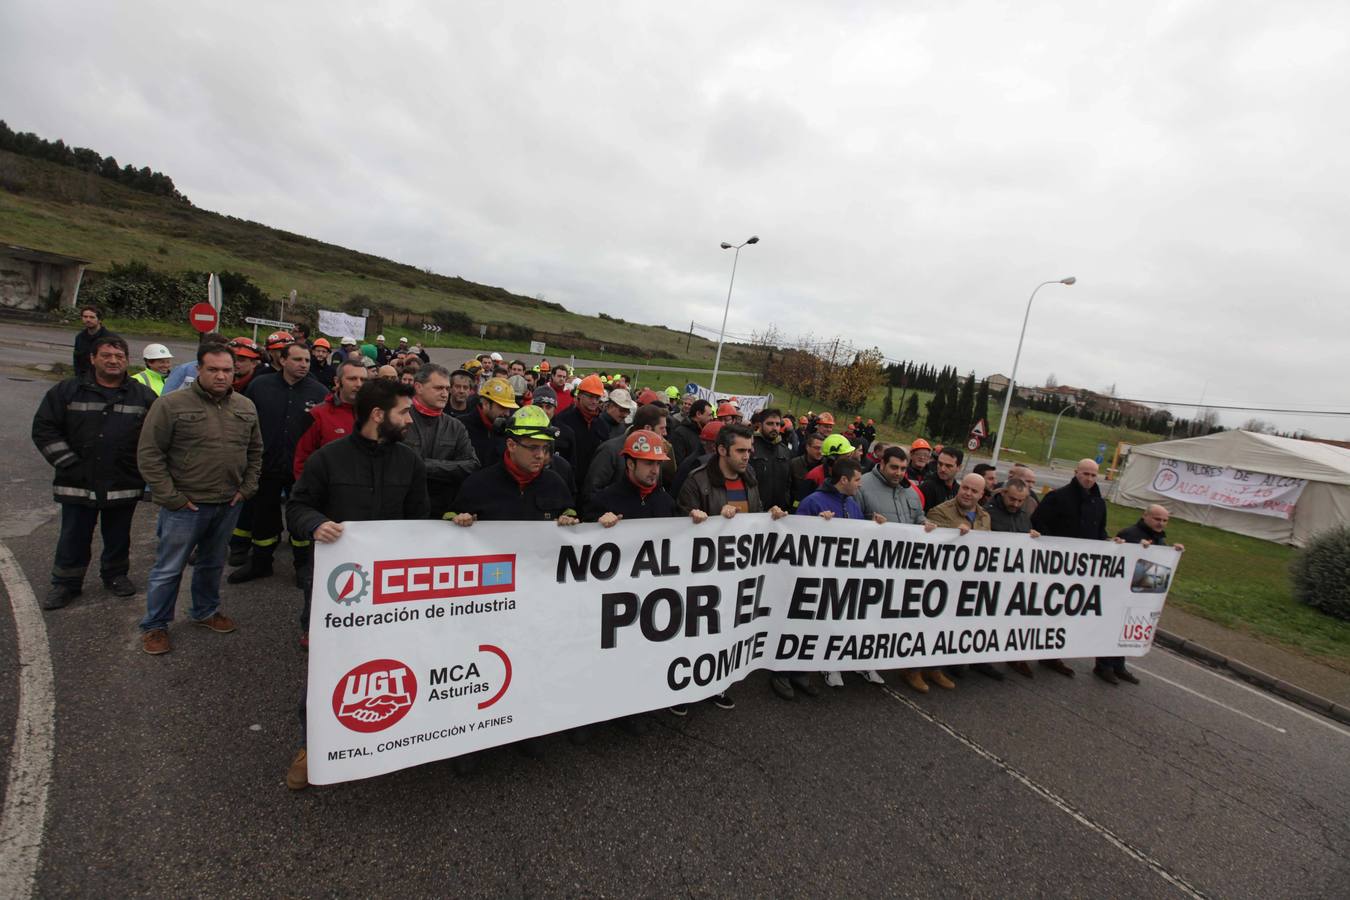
37	280
997	383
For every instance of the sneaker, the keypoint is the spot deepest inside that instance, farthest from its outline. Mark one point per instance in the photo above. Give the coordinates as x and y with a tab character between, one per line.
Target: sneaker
58	595
872	676
120	586
782	687
680	709
802	682
834	680
297	776
724	701
254	568
914	678
939	677
155	641
218	623
1105	674
1127	676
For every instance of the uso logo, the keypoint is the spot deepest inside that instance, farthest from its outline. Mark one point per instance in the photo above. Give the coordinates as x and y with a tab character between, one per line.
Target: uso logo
375	695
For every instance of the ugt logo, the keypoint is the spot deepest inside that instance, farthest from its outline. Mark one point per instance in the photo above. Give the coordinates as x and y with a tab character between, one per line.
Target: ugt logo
375	695
348	584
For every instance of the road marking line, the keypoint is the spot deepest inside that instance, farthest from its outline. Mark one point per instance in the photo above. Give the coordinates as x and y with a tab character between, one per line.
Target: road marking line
1175	684
1264	695
1056	800
30	768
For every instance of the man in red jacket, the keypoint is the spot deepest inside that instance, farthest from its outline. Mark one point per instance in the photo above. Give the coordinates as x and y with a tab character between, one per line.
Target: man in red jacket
335	417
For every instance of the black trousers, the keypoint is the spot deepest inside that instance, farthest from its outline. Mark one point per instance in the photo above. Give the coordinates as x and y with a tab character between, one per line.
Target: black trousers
260	522
77	535
1114	663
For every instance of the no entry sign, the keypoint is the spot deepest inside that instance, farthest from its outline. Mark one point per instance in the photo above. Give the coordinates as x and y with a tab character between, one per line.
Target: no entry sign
203	317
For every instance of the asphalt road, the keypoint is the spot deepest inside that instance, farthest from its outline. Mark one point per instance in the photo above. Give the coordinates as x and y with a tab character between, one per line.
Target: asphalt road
166	776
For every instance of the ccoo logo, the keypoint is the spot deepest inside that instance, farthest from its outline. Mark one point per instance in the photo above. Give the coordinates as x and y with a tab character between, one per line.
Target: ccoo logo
375	695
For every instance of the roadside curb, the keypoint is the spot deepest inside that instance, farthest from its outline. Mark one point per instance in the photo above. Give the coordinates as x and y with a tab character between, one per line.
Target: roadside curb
1263	680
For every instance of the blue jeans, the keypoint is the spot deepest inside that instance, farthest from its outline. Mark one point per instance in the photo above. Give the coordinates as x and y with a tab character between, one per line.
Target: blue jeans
179	530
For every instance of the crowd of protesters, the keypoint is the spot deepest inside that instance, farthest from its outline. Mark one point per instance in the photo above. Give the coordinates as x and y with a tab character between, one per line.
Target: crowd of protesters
245	445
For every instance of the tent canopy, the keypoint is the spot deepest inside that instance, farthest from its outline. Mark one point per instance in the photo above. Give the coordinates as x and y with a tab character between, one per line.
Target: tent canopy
1324	503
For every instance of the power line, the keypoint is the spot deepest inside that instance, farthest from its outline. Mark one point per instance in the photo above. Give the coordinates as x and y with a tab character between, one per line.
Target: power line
1265	409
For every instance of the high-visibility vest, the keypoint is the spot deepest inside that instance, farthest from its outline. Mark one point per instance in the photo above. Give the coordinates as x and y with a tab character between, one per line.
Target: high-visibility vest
151	379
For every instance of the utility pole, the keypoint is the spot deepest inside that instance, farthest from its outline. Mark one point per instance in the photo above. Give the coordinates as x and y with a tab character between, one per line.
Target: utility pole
688	343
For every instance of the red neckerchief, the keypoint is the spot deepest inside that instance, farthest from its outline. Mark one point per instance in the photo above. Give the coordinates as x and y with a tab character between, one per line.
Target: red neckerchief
425	410
643	491
486	421
588	418
521	477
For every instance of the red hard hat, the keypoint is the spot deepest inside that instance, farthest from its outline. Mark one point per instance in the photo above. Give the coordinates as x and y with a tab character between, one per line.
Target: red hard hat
645	444
709	432
825	418
244	346
726	409
278	339
648	396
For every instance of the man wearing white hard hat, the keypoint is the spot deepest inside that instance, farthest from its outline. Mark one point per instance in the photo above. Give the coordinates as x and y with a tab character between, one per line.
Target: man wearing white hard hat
158	362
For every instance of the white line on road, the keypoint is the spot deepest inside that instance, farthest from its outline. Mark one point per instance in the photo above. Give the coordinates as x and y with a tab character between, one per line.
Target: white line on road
30	766
1264	695
1056	800
1232	709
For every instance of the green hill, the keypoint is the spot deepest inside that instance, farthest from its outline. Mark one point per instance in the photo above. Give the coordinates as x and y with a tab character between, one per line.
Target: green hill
65	210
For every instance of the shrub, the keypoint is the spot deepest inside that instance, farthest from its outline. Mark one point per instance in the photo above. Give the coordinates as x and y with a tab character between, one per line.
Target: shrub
1321	572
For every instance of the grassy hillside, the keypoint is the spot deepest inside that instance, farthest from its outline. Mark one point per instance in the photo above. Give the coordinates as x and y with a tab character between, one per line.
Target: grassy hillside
50	207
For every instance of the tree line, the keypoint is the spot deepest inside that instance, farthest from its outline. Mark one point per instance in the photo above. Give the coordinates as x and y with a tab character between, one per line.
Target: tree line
25	143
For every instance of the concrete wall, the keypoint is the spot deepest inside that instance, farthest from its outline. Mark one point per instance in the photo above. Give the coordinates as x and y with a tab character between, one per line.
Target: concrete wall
25	284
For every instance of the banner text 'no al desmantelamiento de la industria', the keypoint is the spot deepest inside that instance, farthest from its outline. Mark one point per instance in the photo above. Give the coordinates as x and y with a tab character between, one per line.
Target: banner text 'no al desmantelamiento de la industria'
428	640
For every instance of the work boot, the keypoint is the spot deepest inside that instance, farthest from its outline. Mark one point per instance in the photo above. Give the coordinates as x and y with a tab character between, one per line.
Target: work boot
238	555
58	595
802	682
258	566
120	586
939	677
782	687
1105	674
1022	669
914	678
1058	665
297	776
220	624
1127	676
155	641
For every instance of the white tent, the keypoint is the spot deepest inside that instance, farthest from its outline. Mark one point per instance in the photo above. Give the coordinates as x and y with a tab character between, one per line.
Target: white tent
1275	488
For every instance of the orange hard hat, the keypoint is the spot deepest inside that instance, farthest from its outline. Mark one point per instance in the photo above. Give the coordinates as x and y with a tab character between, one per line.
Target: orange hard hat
726	409
543	365
323	342
644	444
648	396
592	384
920	444
825	419
246	347
278	339
709	432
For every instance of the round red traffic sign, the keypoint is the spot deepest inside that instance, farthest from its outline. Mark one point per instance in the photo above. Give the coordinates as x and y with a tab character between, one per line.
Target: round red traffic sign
203	317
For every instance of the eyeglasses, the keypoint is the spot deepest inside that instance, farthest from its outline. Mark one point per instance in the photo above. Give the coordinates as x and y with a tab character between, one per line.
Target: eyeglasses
535	449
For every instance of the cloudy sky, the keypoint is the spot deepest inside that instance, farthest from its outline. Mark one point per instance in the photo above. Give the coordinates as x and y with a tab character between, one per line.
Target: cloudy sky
913	169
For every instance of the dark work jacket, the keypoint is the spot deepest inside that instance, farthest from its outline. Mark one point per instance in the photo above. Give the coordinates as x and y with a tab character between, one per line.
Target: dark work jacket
936	491
686	468
89	434
802	487
706	489
1002	520
492	495
622	499
1072	512
685	439
84	345
355	479
283	415
584	440
772	464
443	443
324	375
1139	532
487	444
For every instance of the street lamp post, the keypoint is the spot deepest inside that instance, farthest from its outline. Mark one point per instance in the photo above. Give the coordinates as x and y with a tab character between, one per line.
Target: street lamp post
1049	455
721	338
1012	379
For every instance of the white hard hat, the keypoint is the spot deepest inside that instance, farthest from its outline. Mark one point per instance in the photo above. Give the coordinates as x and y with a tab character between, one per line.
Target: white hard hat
496	357
379	337
156	351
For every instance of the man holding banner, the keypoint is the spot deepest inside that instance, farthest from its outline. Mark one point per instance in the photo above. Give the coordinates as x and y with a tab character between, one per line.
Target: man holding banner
333	489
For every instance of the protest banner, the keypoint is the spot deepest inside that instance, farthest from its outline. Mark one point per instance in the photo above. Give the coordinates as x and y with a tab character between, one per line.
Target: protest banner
1207	485
748	405
341	325
428	640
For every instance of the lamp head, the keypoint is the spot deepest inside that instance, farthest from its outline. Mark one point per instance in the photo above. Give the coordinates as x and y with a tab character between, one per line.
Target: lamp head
1069	280
726	246
754	239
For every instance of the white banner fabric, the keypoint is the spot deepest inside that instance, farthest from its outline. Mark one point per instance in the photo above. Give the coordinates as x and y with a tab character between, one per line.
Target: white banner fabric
748	405
341	325
428	640
1205	485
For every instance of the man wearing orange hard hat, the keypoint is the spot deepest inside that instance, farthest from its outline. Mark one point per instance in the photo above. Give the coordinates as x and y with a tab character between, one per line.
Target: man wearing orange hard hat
583	418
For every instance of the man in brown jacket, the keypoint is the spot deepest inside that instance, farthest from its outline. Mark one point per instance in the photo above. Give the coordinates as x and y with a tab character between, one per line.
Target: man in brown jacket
201	453
962	511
